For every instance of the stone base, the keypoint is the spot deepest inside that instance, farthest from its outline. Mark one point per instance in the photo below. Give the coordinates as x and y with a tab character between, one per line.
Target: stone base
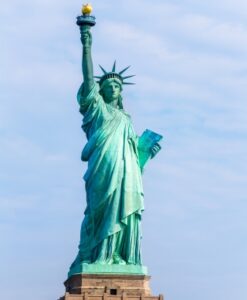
108	287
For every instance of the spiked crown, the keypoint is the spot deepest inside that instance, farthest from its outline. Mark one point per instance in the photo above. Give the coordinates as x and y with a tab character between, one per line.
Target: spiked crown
114	74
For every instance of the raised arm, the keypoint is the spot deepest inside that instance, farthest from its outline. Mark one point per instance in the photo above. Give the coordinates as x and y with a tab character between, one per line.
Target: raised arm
87	62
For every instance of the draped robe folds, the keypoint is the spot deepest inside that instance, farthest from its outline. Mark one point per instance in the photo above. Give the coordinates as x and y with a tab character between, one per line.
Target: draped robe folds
111	225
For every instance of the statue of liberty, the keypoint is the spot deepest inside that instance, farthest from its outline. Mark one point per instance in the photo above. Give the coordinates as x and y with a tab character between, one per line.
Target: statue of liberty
111	229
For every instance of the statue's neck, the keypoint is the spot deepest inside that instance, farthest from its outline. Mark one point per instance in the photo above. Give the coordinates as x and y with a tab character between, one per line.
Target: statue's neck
113	103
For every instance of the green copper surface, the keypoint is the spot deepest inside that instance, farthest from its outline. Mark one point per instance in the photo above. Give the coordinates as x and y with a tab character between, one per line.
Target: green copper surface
108	269
111	229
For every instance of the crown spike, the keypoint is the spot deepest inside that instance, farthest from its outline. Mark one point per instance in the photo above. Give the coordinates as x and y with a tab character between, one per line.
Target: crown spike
114	67
103	70
128	76
99	77
129	83
120	73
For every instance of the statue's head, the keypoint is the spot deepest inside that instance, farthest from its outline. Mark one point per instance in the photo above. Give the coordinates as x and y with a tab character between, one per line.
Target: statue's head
111	90
111	85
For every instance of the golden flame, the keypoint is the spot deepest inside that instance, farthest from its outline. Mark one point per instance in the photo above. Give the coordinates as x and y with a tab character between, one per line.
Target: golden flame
87	9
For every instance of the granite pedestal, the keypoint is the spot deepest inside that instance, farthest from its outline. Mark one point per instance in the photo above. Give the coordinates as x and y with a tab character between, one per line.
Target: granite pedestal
108	287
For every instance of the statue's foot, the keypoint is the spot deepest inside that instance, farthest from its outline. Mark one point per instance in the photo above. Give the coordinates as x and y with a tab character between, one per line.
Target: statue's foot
101	261
117	259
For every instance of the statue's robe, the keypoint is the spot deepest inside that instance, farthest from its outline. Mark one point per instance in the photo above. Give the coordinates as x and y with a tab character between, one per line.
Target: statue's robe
111	225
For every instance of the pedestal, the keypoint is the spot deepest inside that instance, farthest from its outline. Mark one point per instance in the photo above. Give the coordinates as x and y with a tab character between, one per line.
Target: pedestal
108	287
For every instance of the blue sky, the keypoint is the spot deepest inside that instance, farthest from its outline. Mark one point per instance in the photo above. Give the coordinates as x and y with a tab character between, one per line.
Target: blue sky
191	85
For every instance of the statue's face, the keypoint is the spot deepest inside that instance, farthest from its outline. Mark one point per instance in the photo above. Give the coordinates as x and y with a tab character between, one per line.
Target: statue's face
111	91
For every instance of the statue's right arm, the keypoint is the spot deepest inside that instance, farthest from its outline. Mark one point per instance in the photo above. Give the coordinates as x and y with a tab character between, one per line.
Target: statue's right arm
87	62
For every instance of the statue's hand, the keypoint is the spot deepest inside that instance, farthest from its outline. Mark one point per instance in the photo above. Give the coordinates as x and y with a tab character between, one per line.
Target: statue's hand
155	149
86	36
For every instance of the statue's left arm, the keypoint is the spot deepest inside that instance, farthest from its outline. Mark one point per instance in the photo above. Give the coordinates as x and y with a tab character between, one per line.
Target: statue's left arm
155	149
147	147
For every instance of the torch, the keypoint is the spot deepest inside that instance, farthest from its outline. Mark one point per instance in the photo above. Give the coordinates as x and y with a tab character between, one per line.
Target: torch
86	18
